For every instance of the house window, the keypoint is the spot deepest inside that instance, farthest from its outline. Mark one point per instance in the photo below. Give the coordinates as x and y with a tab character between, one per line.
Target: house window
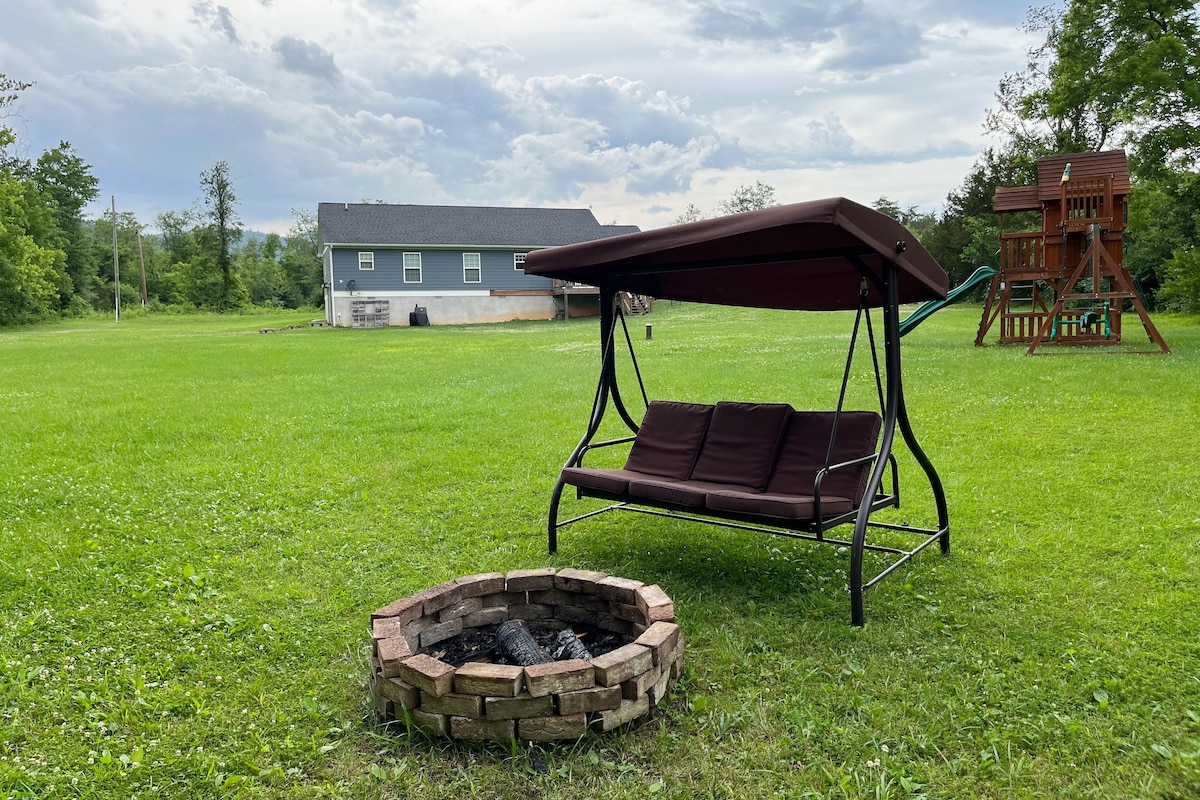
412	267
519	261
472	272
366	260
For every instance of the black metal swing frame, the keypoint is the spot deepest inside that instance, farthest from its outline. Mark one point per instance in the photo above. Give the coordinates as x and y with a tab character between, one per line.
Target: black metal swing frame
880	284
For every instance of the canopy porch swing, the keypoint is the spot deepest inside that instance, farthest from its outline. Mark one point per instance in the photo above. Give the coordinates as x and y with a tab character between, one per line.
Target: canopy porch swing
761	466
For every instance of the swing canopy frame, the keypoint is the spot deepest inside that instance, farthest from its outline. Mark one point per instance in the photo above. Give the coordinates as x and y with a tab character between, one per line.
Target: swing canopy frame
823	255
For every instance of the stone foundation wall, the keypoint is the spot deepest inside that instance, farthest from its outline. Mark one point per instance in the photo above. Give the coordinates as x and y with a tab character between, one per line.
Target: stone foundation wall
449	309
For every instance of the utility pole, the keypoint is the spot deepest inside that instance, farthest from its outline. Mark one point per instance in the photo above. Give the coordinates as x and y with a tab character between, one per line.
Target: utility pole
116	266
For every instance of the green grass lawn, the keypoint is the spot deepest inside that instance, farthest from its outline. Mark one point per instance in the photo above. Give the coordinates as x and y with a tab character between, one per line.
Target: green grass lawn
197	519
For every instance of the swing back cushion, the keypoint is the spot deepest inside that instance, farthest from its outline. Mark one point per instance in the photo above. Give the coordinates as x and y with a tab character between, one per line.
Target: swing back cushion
741	442
806	445
803	453
737	452
669	439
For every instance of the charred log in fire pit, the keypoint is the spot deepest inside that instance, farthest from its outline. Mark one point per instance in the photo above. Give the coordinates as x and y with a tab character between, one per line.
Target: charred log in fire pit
517	644
567	645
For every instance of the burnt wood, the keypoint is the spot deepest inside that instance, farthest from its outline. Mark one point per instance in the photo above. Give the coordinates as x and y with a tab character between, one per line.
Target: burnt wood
566	646
518	645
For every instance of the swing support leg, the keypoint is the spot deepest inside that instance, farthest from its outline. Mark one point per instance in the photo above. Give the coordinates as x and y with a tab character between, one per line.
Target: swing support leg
895	415
607	388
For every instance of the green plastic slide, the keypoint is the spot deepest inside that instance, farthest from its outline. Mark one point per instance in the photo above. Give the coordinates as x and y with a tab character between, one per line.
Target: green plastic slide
927	308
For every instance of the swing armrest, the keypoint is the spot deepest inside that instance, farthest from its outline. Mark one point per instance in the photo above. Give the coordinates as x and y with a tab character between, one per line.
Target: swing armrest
845	465
868	459
856	462
606	443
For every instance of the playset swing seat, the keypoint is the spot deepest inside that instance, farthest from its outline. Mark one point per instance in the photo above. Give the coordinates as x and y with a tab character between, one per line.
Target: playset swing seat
761	466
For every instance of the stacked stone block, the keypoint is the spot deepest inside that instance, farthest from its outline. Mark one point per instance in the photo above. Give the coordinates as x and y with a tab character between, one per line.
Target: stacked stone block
560	700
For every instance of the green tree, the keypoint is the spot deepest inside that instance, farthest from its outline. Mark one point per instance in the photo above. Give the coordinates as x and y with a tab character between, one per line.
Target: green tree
1112	73
917	221
33	282
67	185
223	229
967	235
749	197
1164	228
132	249
690	214
200	282
176	231
10	93
31	276
301	259
1109	72
266	281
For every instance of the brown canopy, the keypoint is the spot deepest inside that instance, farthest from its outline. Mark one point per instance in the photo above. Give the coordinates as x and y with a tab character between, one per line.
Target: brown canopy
807	256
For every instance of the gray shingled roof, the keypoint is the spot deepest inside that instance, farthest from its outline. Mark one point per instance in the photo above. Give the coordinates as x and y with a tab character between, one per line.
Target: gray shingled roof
411	225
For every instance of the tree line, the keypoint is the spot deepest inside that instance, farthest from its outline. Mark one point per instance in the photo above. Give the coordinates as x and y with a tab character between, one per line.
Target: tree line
55	262
1104	73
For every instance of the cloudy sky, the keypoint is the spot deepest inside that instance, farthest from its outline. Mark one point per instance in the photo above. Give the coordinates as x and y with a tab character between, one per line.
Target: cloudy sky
634	108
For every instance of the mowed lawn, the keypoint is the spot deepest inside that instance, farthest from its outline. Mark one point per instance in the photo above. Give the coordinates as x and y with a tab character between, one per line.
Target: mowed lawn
197	519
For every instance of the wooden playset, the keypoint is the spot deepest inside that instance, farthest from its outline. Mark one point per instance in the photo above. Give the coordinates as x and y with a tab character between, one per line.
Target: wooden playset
1066	284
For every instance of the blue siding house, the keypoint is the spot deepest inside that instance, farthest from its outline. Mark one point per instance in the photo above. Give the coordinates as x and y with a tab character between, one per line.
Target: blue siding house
461	264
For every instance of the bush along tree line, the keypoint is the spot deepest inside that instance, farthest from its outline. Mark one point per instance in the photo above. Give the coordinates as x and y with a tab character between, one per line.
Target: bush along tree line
55	262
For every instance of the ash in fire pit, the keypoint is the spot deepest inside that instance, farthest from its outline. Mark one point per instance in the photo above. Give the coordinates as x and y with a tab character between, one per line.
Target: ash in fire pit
438	659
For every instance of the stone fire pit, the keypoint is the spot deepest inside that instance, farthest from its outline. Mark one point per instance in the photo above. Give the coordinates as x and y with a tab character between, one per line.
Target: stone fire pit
558	700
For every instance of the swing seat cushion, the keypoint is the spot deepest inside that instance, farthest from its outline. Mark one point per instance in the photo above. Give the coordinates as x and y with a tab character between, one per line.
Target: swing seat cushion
676	492
669	439
769	504
611	481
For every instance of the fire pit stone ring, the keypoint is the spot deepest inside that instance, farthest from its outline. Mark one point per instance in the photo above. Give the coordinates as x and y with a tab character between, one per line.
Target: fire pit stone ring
641	660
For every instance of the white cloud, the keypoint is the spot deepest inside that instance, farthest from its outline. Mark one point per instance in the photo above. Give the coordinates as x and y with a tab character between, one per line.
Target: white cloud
216	18
635	106
306	58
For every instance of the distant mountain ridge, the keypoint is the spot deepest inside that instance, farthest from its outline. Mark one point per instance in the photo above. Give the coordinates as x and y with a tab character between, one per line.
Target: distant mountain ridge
258	236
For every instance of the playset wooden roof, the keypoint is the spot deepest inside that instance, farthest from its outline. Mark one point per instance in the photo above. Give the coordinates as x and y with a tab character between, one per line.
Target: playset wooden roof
1049	179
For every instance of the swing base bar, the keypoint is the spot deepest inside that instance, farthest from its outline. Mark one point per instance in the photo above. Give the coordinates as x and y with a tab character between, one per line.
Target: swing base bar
929	535
804	530
812	530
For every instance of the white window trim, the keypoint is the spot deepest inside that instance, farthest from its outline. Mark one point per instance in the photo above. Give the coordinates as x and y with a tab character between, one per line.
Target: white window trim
404	267
366	257
478	268
519	261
